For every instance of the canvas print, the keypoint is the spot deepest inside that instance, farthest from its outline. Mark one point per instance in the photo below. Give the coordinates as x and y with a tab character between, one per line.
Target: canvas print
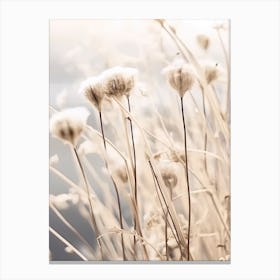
139	140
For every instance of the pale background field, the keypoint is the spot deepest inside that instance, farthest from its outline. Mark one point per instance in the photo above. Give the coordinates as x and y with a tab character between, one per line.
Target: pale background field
24	144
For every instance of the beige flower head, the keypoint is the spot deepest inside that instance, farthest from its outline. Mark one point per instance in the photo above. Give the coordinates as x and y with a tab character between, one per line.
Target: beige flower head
211	72
169	176
69	124
119	81
93	90
203	41
180	77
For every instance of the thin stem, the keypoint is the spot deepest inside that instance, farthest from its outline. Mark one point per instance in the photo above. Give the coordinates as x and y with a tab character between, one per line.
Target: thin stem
63	219
135	211
114	184
189	57
134	167
137	235
209	133
139	231
66	242
187	177
132	189
116	149
82	192
143	129
166	220
137	225
165	195
227	113
165	202
217	207
134	151
205	131
93	220
166	238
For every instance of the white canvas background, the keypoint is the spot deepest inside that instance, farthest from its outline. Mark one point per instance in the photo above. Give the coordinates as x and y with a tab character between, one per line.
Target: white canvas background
24	138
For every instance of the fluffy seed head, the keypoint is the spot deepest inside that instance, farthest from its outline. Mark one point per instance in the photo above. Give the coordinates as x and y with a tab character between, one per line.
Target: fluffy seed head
180	77
69	124
119	81
93	90
203	41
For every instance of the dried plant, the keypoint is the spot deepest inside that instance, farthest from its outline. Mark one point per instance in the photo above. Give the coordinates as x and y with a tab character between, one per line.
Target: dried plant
153	168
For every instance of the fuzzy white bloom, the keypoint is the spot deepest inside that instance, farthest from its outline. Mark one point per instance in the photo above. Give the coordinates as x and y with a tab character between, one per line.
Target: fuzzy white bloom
60	201
119	81
180	77
92	88
69	124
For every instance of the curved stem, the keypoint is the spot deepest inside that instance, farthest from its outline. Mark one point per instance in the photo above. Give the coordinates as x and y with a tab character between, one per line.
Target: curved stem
93	220
66	242
167	223
187	177
227	113
115	186
142	129
169	210
189	57
166	198
134	151
134	167
205	132
143	240
67	223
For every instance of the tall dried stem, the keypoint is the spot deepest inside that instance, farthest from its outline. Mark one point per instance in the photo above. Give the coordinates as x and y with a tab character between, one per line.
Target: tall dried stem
134	166
187	177
115	186
92	217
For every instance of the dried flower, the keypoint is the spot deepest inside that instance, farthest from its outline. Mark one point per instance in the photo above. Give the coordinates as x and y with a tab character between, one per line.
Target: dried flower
69	124
211	73
203	41
180	77
93	90
168	173
119	81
